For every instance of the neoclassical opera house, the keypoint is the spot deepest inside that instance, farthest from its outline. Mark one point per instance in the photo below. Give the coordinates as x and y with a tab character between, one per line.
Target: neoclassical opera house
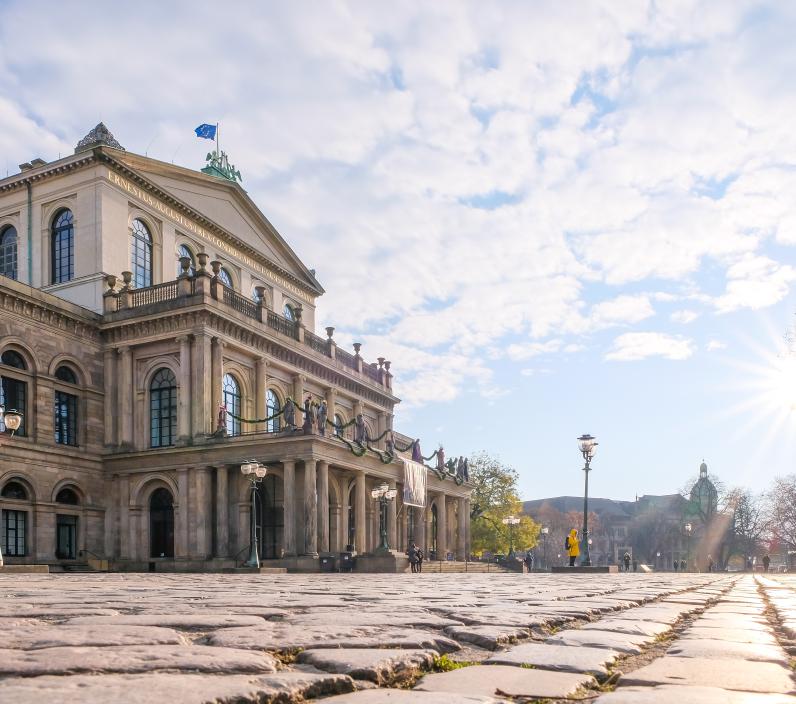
150	315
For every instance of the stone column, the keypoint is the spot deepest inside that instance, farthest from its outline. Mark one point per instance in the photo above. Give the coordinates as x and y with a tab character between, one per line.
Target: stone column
392	520
298	396
135	535
331	404
222	511
181	539
124	516
184	396
289	479
442	527
420	529
467	547
310	509
201	509
109	398
202	412
359	514
261	384
127	396
344	516
216	374
323	506
381	427
461	528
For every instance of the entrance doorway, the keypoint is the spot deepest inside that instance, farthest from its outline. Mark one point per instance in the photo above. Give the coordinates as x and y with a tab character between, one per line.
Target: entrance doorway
271	517
66	537
161	523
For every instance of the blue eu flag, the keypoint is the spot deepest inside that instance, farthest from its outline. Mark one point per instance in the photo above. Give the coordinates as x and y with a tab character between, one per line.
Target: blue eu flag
206	131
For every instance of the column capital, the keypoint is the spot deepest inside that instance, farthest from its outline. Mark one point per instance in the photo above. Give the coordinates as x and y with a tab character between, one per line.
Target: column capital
187	337
300	377
218	342
124	349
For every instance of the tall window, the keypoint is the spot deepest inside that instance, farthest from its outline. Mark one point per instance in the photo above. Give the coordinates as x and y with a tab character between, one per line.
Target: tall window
289	313
141	255
13	392
232	402
14	522
225	278
63	247
272	406
163	408
185	251
338	425
65	424
8	252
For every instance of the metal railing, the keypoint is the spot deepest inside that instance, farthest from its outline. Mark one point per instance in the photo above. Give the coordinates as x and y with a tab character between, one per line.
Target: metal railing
167	291
346	358
283	325
240	303
316	343
372	371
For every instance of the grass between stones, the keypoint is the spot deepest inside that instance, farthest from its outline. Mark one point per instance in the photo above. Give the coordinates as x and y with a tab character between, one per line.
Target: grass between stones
774	620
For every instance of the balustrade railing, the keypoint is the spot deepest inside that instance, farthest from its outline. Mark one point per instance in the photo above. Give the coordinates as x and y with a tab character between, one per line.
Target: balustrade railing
316	343
283	325
346	358
240	303
167	291
372	371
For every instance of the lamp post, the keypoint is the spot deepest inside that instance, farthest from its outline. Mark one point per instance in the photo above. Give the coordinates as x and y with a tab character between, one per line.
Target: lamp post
587	445
254	472
687	528
511	521
545	531
383	494
11	420
657	559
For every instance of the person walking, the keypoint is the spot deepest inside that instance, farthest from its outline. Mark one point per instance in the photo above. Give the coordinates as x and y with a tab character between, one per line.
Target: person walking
710	563
683	565
676	563
766	562
420	560
529	560
572	547
626	561
413	557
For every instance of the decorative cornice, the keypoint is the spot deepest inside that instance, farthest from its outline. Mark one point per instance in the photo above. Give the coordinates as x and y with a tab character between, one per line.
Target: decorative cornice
55	169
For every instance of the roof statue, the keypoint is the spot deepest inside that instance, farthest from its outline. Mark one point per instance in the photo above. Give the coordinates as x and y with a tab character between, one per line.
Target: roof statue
218	165
98	137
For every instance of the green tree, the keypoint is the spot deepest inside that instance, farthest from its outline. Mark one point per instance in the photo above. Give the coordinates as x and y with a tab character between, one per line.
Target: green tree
494	498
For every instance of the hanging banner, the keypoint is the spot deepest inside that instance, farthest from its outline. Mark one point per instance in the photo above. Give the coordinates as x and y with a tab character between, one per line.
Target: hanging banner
414	484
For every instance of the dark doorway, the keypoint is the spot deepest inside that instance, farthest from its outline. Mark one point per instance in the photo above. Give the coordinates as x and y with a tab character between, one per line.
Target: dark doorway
271	517
161	524
434	530
65	537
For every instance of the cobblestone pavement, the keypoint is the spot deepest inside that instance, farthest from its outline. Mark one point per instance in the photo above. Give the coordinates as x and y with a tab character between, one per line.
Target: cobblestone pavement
445	638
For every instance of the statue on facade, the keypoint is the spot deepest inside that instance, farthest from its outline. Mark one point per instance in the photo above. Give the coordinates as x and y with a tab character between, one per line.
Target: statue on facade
290	414
417	453
389	444
221	420
466	470
308	415
322	414
460	467
360	430
441	459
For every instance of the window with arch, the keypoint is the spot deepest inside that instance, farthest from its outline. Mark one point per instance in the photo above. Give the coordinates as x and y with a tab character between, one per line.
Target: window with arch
163	408
14	522
161	523
8	252
185	251
67	495
272	407
338	425
289	312
63	247
141	255
65	423
13	391
232	403
225	278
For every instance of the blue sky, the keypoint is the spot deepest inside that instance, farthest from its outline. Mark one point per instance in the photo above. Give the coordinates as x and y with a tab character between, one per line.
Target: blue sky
553	218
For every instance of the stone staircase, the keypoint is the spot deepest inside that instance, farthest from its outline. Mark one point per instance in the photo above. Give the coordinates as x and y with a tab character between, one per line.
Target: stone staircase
453	566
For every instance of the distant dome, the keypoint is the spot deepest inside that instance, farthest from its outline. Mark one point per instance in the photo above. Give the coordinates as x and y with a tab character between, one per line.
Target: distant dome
703	468
99	136
704	494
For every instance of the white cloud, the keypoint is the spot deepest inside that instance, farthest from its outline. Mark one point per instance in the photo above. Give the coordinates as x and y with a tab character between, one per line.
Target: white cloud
684	316
755	282
633	346
526	350
714	345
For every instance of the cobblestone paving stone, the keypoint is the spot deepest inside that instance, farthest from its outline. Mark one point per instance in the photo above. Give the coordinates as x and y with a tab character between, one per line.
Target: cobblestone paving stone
368	639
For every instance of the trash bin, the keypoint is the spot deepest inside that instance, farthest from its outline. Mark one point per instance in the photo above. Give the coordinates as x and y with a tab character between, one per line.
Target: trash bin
346	561
327	563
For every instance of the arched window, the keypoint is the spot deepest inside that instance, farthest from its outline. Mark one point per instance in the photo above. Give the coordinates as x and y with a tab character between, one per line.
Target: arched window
65	423
161	523
272	406
232	402
185	251
65	374
289	313
67	495
338	425
63	247
225	278
8	252
14	522
13	391
141	255
163	408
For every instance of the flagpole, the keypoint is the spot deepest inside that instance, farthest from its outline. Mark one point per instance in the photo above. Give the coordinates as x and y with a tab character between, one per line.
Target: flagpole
218	148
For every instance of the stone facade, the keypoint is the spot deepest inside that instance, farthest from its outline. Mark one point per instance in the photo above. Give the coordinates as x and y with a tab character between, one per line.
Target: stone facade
122	384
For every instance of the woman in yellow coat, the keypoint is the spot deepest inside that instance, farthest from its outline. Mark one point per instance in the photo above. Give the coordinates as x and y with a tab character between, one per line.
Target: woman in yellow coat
573	549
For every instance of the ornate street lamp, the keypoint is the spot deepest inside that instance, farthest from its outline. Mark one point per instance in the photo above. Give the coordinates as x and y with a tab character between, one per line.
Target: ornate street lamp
587	445
11	418
254	472
511	521
383	494
545	530
688	528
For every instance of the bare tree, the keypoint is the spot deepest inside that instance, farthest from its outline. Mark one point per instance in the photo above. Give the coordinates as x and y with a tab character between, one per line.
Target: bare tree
747	525
780	511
